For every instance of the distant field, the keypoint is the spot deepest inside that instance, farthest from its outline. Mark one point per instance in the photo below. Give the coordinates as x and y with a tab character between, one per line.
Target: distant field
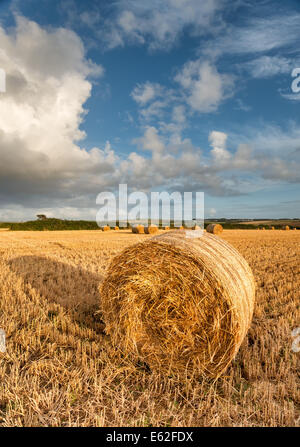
60	368
275	223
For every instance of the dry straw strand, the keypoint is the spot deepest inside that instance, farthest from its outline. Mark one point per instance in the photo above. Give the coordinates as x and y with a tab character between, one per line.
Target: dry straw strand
214	228
181	304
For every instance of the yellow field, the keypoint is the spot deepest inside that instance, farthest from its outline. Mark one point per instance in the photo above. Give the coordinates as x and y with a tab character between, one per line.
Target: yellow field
60	369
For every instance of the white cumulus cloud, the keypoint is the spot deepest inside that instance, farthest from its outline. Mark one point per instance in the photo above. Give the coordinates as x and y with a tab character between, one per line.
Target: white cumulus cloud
143	93
41	113
205	87
218	143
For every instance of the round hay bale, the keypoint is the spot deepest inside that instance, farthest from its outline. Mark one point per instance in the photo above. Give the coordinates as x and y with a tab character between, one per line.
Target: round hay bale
116	228
196	227
106	228
286	228
180	304
214	228
272	228
151	229
138	229
166	228
181	228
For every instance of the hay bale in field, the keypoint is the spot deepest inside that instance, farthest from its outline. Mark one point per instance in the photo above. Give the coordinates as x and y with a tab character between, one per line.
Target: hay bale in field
116	228
181	228
263	228
286	228
151	229
196	227
181	304
106	228
138	229
166	228
272	228
214	228
4	229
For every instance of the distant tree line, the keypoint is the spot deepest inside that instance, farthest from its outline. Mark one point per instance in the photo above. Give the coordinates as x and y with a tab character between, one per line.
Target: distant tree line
44	223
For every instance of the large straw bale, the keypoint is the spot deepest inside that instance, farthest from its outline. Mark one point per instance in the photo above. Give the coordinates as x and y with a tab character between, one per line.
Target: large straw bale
138	229
180	303
151	229
214	228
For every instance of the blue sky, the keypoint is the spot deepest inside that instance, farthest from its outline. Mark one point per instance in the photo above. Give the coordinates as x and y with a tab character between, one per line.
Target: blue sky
184	95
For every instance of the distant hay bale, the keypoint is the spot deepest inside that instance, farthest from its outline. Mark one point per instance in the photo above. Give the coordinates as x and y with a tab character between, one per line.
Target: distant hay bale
178	303
166	228
138	229
181	228
4	229
196	227
214	228
151	229
263	228
272	228
106	228
286	228
295	228
116	228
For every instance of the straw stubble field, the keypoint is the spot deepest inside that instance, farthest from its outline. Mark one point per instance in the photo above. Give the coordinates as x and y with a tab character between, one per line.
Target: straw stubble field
60	367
